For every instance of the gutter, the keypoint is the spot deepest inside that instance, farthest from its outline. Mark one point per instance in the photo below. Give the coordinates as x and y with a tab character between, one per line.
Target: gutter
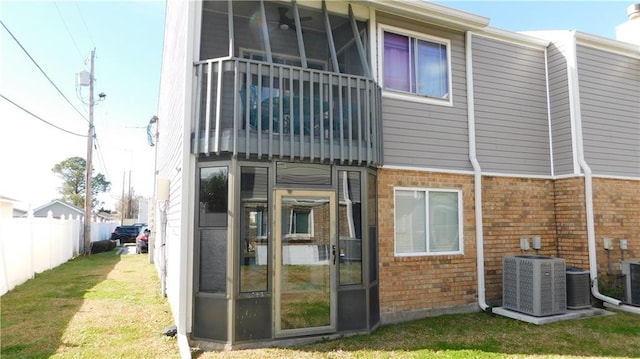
477	175
574	98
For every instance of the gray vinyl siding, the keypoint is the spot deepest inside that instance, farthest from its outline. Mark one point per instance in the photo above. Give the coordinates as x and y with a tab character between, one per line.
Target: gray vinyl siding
510	96
610	108
425	135
562	139
175	79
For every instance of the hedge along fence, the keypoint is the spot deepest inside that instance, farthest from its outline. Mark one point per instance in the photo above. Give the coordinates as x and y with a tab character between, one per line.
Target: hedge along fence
34	245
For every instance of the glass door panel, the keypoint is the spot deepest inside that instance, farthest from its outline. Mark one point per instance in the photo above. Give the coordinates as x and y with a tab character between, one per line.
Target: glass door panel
305	259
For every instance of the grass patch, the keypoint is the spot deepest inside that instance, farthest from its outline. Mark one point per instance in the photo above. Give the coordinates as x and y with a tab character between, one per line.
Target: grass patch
478	335
107	306
99	306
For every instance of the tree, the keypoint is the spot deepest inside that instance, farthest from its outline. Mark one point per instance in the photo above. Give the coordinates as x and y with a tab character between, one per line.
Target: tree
72	171
213	192
129	205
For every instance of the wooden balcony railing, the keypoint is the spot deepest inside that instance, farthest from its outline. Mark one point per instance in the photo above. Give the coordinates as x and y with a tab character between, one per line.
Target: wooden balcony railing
271	110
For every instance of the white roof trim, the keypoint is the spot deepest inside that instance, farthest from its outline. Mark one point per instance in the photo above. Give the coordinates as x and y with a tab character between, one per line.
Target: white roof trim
590	40
609	45
513	37
4	199
431	13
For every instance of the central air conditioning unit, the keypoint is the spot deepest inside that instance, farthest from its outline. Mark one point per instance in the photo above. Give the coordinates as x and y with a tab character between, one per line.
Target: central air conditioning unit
578	288
631	271
534	285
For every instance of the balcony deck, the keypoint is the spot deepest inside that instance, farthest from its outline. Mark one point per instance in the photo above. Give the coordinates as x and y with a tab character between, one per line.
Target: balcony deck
268	110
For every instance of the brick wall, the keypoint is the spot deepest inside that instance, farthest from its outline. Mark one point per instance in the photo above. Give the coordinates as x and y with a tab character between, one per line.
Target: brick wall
416	283
616	207
571	222
514	208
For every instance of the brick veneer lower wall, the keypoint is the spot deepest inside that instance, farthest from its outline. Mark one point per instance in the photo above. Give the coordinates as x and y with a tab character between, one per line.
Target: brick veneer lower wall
616	207
571	222
512	208
616	212
415	284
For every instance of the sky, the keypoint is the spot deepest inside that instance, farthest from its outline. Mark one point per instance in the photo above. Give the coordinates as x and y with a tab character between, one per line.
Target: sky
59	36
128	38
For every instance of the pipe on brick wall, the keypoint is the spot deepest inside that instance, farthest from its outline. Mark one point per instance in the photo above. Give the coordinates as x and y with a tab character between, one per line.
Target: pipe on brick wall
477	176
591	237
574	98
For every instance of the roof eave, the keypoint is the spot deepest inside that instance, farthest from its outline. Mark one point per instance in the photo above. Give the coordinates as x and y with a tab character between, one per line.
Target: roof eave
432	13
607	44
590	40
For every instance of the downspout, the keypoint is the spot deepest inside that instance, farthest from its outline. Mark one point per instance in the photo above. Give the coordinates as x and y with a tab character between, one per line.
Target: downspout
574	96
477	175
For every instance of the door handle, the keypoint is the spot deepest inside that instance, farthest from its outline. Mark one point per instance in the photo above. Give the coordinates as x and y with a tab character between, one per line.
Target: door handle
333	251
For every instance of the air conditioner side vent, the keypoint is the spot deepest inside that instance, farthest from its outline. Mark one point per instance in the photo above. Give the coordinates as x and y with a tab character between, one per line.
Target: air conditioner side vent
631	270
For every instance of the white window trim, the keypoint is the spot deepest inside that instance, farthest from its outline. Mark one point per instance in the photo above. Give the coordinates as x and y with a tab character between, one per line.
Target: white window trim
460	222
407	96
300	236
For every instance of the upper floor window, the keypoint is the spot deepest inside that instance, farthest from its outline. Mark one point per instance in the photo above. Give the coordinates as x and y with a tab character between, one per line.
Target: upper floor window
416	64
428	221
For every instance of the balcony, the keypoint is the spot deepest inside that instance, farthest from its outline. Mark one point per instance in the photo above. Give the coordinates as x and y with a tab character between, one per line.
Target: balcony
268	110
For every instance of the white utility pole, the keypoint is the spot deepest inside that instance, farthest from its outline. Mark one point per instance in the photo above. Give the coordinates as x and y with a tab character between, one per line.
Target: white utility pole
88	195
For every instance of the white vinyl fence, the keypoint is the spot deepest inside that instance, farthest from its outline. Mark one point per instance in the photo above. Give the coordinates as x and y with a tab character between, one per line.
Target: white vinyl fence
34	245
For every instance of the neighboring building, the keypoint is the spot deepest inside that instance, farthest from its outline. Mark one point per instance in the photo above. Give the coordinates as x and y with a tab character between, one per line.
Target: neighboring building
6	207
19	213
58	208
334	166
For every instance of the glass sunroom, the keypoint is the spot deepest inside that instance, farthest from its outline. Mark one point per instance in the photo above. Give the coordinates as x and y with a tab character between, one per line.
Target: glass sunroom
287	135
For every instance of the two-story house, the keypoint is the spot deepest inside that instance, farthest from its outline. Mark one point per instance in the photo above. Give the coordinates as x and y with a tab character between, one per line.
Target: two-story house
330	166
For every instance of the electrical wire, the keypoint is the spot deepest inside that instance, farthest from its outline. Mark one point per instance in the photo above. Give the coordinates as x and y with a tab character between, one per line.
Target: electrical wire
68	32
40	118
100	156
41	70
85	24
79	95
104	166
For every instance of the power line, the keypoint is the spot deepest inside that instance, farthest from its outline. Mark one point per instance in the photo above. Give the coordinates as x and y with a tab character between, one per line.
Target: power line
101	157
41	70
40	118
68	32
85	24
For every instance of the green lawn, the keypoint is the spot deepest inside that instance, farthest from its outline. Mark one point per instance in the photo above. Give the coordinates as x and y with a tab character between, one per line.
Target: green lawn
99	306
108	306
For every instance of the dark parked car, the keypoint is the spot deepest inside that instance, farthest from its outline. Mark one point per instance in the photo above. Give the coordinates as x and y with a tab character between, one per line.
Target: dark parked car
126	234
142	240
